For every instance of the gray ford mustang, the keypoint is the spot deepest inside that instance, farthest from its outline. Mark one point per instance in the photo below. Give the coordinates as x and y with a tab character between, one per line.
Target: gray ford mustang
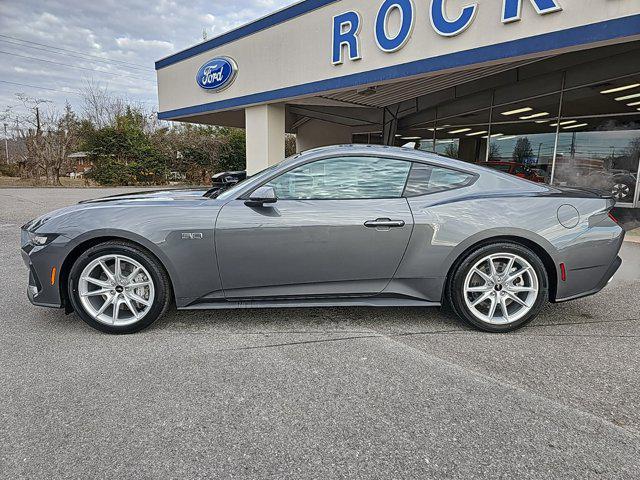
346	225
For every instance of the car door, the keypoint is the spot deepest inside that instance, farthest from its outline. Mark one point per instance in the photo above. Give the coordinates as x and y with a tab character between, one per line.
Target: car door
340	226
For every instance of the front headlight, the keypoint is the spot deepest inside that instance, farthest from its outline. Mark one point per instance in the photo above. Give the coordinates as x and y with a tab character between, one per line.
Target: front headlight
40	239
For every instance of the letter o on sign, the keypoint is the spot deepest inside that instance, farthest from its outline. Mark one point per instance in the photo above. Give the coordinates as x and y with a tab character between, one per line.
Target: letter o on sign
385	41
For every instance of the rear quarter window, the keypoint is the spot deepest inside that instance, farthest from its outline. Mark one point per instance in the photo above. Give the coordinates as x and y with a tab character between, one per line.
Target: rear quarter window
425	179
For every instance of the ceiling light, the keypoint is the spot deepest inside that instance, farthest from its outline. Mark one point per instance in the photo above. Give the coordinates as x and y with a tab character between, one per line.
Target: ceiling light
435	129
476	133
534	115
628	97
411	138
634	104
509	137
620	89
577	125
568	122
519	110
494	135
543	121
462	130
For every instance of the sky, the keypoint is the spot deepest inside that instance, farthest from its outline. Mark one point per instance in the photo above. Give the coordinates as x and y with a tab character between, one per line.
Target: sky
50	49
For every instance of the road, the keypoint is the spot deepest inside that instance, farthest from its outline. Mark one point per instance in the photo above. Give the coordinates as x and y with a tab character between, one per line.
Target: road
315	393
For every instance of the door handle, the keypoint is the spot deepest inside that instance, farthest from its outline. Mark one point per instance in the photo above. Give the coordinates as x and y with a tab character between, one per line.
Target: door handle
384	223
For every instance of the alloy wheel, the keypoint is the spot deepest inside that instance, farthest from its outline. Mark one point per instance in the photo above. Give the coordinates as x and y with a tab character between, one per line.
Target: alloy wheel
620	191
501	288
116	290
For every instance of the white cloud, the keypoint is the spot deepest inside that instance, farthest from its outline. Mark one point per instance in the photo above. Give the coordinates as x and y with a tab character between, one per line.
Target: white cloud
137	43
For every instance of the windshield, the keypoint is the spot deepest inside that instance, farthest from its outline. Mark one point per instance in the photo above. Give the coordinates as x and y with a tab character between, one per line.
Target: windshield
261	174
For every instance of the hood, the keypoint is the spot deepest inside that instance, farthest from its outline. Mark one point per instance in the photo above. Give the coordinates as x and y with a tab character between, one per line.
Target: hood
152	195
161	198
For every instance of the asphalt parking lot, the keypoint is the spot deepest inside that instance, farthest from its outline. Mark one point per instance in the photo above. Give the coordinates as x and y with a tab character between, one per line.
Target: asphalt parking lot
315	393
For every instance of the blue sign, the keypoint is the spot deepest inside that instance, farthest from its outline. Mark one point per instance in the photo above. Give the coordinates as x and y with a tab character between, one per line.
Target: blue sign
347	25
217	74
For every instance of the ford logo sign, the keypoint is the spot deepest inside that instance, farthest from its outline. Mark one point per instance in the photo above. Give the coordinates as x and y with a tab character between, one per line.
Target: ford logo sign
217	74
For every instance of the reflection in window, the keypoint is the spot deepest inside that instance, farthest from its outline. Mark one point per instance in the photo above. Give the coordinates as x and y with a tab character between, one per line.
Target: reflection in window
445	147
343	178
514	125
527	155
425	179
600	153
599	139
448	147
523	136
462	138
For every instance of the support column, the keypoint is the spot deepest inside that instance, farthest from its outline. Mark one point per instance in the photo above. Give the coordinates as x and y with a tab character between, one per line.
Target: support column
265	136
390	125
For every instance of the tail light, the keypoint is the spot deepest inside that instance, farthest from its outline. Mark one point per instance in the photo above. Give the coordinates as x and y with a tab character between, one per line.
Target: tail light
563	272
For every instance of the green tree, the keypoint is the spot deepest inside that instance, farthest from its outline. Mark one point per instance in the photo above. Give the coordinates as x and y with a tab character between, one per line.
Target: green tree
123	153
191	151
232	153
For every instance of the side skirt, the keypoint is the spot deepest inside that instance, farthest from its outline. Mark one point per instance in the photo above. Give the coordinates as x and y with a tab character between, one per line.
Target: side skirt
315	302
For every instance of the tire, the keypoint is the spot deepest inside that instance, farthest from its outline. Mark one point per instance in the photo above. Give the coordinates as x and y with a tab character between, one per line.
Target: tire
623	188
467	285
142	296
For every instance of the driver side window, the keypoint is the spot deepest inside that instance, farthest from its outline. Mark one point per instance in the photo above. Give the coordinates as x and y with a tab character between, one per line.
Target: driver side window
342	178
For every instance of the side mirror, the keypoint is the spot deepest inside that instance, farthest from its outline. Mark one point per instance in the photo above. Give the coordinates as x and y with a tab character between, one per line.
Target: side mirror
260	196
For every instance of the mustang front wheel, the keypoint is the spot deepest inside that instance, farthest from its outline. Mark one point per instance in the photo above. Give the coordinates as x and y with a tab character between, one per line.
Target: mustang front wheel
116	287
499	287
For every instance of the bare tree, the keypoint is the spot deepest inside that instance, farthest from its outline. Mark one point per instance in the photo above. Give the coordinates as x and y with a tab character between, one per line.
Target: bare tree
99	106
494	151
31	131
61	139
17	143
47	136
451	150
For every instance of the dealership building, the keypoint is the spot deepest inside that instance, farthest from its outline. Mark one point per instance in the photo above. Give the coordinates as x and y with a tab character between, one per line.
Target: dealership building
545	89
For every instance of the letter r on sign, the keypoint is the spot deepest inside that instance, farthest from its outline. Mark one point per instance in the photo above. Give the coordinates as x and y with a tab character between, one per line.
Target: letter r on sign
512	9
346	27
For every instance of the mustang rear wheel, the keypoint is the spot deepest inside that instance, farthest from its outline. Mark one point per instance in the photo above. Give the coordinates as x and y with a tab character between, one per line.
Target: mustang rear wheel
117	287
499	287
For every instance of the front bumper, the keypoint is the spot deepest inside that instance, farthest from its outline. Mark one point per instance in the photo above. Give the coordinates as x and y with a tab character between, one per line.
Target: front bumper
40	260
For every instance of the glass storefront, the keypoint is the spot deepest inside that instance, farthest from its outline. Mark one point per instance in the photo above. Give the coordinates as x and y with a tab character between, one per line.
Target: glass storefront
568	121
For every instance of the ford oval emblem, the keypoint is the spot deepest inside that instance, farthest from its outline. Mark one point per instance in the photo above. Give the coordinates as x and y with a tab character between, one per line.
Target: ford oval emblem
217	74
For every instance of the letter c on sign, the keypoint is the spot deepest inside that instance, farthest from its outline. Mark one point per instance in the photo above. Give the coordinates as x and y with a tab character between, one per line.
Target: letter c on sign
407	17
346	27
449	28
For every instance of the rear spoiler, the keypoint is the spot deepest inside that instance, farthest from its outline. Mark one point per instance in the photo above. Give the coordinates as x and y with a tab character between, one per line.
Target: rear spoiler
583	192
